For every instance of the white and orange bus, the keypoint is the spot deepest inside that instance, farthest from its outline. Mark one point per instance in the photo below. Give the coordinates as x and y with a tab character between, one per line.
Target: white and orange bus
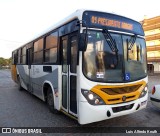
91	66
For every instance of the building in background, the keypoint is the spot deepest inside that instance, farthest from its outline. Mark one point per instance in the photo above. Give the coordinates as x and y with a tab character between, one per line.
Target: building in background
151	28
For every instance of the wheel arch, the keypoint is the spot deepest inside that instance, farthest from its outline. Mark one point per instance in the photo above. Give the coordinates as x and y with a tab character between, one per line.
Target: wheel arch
46	85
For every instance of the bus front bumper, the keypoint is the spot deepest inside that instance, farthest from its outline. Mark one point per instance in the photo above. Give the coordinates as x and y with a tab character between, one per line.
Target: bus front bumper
90	113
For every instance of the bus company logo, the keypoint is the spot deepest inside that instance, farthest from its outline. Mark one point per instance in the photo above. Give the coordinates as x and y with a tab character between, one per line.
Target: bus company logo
124	98
6	130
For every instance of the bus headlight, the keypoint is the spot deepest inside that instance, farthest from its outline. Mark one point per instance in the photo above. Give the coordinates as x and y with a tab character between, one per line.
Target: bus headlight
92	98
144	92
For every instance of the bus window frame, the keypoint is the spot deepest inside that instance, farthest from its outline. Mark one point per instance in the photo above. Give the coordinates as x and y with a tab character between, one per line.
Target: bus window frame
44	48
19	56
65	29
34	52
23	55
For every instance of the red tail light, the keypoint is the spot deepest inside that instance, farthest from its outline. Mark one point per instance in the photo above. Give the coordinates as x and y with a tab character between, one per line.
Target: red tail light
153	90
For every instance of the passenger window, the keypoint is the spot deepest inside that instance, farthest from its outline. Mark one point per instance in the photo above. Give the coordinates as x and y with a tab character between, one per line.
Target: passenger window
51	48
23	56
19	56
38	51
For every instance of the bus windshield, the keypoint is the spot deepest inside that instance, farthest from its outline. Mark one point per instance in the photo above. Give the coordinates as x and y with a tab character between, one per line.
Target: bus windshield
101	63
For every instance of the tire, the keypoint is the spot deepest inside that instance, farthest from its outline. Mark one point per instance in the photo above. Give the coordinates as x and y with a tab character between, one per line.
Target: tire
20	88
50	101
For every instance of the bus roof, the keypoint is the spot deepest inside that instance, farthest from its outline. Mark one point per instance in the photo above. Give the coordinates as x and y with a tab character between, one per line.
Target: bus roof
76	15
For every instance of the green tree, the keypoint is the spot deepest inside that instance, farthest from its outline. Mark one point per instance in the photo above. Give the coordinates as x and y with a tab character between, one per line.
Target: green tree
2	61
5	62
8	61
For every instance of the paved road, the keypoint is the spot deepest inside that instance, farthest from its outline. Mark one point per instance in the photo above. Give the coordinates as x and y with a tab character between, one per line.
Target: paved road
21	109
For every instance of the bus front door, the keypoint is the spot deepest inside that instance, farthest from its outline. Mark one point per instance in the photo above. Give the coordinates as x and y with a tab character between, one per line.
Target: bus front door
69	73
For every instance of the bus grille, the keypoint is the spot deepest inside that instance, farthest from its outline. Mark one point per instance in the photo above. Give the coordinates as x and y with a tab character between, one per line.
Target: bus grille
121	90
116	99
122	108
115	94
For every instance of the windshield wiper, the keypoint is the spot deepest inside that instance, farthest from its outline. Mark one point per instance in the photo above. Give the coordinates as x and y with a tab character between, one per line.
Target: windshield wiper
131	42
111	42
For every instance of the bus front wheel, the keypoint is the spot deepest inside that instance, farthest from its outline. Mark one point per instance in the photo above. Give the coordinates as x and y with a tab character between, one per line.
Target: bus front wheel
50	101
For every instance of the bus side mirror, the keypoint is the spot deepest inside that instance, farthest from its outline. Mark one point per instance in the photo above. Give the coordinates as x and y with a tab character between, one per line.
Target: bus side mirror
83	41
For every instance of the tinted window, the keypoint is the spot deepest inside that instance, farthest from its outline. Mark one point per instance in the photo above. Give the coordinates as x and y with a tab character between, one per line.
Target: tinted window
19	56
51	48
23	56
73	67
38	51
64	57
38	45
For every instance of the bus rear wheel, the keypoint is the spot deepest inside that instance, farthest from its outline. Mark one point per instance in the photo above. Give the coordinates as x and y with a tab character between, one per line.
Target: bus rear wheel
50	101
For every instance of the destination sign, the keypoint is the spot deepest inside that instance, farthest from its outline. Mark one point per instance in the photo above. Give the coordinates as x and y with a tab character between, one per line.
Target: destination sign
111	21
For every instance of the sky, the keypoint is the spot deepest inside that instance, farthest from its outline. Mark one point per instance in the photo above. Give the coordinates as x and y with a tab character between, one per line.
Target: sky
21	20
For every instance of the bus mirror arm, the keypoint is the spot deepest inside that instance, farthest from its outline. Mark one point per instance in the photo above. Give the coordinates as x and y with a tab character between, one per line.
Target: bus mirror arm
83	38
